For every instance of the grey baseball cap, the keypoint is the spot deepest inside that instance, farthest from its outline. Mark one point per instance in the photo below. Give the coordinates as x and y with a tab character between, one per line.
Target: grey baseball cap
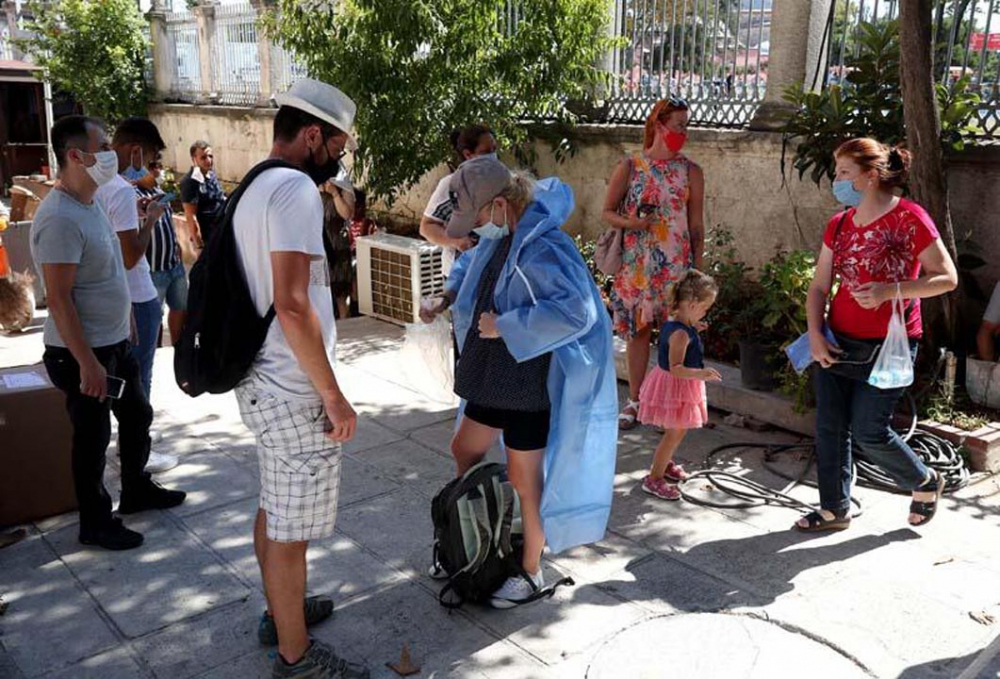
475	183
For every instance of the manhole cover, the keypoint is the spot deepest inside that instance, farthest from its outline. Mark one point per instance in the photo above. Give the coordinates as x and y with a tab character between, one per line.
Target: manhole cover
711	645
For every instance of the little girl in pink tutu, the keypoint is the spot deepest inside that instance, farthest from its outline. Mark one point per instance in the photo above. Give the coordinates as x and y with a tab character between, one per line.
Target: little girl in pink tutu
673	394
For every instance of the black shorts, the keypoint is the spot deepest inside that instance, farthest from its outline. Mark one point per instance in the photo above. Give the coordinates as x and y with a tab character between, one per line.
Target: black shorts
522	430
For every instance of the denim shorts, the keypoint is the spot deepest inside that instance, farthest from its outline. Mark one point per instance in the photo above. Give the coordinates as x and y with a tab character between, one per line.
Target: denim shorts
172	287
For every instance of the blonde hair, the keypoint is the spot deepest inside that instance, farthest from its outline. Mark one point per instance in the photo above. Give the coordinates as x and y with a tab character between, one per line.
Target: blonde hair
520	190
694	286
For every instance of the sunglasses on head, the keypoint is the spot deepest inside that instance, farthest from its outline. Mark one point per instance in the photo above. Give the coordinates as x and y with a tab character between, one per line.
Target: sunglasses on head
677	103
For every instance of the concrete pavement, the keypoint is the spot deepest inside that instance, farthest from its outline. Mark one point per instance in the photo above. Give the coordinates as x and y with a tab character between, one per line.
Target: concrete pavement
674	590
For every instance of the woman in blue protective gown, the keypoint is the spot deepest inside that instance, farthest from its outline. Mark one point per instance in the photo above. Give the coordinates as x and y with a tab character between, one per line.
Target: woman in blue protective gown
535	362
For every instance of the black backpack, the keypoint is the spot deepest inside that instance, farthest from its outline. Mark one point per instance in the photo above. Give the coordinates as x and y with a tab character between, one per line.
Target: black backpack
477	536
223	332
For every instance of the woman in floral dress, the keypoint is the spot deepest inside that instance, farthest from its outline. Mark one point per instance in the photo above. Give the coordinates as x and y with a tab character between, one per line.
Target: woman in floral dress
657	197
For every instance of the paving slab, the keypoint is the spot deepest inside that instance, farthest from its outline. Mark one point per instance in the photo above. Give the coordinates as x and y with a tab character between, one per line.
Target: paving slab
665	585
170	578
370	434
211	480
570	622
195	646
396	527
412	465
51	621
373	630
360	481
338	567
116	664
712	646
884	623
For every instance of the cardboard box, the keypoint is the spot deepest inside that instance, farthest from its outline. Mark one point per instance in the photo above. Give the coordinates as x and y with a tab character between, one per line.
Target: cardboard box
36	437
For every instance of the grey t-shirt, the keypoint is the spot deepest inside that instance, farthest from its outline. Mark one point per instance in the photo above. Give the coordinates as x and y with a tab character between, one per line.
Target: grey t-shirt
66	231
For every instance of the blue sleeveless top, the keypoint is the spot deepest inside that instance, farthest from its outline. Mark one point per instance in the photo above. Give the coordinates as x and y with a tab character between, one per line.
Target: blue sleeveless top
694	357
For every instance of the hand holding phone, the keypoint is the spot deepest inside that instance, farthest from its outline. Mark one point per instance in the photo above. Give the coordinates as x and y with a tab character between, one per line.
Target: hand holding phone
116	387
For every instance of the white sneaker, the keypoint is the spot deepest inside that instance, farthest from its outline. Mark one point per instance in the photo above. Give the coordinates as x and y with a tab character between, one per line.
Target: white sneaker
516	591
155	436
160	462
437	571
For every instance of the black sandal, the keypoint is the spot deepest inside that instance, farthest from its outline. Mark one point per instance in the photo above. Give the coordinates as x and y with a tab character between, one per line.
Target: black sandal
928	509
818	523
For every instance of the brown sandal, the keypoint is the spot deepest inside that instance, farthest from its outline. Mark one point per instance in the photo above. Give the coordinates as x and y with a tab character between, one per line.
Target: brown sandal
818	523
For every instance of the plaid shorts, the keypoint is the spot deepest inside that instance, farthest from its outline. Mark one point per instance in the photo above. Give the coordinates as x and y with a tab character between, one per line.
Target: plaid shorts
299	465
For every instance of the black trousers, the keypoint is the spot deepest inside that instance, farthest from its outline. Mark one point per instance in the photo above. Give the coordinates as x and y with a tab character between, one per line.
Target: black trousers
91	421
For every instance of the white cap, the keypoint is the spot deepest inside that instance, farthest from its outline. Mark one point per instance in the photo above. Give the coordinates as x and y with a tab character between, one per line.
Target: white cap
325	102
342	180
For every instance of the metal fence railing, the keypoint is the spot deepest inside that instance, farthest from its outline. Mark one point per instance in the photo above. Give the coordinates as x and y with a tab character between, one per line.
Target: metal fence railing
966	48
235	64
184	67
713	53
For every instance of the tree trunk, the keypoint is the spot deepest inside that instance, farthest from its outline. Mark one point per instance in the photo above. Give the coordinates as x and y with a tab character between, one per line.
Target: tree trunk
923	135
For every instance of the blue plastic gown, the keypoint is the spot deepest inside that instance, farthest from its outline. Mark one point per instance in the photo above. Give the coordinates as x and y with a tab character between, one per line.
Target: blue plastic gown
547	302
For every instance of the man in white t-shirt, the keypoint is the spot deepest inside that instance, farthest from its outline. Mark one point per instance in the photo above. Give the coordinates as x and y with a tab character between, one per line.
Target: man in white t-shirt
291	400
135	140
469	142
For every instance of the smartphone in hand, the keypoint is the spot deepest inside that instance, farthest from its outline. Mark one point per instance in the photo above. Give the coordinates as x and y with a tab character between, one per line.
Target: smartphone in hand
646	210
116	387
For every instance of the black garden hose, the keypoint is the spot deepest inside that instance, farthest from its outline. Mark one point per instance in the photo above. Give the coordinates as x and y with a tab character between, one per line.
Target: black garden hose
936	452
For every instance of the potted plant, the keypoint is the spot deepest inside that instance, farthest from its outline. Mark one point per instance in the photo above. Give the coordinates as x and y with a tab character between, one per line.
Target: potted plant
773	314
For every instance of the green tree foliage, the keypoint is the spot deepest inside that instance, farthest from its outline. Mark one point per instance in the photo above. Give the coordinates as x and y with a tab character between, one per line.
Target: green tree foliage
95	50
420	68
868	104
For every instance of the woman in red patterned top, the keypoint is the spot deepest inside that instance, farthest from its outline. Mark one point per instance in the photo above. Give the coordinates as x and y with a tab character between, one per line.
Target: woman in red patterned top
880	245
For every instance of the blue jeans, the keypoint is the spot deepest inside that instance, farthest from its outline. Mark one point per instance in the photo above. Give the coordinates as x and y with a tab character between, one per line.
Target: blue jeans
172	287
851	412
147	322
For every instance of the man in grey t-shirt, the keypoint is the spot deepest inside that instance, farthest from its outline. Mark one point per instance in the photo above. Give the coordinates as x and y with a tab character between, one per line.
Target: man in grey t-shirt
86	335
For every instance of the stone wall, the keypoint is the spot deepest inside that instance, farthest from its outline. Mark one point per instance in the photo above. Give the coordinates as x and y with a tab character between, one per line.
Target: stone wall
744	188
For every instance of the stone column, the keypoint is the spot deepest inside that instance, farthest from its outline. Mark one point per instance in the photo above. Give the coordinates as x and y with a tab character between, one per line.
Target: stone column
263	55
796	36
10	16
204	13
163	56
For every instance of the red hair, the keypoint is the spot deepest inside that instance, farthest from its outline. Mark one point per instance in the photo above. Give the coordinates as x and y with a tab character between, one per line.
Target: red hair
891	162
661	112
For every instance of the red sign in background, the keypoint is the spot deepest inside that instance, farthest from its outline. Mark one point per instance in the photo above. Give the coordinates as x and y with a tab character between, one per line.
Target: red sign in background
977	40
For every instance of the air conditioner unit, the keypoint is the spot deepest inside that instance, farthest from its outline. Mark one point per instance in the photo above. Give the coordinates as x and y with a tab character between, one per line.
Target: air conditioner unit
394	273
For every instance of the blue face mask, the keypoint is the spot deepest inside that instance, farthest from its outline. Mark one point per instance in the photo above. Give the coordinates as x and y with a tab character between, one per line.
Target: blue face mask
491	230
134	174
846	194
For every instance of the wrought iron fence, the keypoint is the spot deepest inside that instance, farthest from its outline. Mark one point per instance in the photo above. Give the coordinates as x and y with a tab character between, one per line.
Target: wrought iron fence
184	68
713	53
236	63
966	48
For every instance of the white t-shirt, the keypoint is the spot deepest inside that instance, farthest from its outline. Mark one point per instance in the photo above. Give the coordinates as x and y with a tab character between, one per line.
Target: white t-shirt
282	211
118	199
439	208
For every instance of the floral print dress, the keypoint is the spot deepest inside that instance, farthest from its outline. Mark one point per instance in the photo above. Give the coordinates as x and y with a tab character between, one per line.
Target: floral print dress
652	260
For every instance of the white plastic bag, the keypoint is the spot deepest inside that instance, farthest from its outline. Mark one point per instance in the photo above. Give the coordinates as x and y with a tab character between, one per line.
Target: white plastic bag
428	359
893	367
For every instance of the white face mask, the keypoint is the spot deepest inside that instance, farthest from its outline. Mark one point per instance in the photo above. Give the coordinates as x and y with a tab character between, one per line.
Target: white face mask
491	230
105	169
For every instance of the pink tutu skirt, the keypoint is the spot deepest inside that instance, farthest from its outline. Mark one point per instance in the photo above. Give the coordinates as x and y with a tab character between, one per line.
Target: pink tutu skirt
671	402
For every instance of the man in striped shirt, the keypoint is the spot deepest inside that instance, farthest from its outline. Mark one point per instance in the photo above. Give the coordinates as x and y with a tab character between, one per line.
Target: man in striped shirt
164	254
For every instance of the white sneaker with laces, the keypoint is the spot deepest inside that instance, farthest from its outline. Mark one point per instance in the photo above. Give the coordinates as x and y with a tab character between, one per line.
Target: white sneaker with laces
160	462
516	591
437	571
